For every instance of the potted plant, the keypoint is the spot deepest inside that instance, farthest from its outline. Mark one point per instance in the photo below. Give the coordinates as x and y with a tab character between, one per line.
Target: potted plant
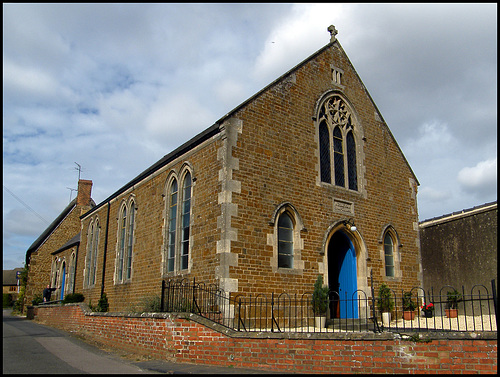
408	307
385	303
428	309
320	302
452	299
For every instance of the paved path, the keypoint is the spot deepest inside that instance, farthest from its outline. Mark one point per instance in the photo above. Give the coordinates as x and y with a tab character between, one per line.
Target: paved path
30	347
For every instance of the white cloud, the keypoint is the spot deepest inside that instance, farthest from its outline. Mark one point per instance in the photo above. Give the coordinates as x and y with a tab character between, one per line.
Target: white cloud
433	195
31	84
299	35
175	118
479	179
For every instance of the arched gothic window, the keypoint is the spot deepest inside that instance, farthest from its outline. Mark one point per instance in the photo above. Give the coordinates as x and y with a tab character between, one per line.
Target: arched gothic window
172	225
336	121
186	218
285	241
92	245
125	242
389	255
178	223
71	275
324	153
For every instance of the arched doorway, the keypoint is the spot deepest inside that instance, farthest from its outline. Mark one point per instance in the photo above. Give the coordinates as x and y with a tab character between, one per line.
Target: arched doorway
63	279
342	276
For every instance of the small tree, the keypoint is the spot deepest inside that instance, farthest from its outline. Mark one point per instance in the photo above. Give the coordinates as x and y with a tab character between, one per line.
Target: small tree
320	297
408	304
453	298
384	300
102	304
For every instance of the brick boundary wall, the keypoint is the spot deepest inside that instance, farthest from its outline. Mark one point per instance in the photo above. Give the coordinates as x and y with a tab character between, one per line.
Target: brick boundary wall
189	338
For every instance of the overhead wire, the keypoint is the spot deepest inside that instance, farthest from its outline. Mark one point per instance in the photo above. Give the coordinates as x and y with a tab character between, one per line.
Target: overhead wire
24	204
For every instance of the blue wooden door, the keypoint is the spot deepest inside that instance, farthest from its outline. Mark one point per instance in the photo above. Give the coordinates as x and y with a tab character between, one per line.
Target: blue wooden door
348	283
63	281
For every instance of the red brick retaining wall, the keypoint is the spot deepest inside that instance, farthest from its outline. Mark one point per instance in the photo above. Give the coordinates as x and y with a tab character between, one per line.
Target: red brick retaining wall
186	338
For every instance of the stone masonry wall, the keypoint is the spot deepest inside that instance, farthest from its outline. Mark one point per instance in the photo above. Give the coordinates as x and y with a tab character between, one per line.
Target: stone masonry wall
266	155
149	242
183	338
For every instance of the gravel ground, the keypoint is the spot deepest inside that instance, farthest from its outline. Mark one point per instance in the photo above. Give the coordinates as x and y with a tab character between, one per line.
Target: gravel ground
474	323
462	323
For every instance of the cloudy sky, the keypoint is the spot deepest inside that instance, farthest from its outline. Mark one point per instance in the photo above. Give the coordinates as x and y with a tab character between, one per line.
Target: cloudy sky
115	87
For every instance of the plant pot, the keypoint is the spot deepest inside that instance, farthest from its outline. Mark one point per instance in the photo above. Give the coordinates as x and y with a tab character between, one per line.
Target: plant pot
408	316
451	313
320	322
427	314
386	319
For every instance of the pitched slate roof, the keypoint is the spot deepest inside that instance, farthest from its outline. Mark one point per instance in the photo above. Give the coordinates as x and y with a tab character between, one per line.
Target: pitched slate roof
9	276
72	242
215	129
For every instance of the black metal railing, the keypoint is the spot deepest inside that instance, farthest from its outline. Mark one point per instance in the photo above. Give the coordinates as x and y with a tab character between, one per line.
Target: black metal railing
357	313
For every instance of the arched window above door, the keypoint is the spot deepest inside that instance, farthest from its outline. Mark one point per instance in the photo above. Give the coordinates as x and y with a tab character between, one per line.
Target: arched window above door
338	132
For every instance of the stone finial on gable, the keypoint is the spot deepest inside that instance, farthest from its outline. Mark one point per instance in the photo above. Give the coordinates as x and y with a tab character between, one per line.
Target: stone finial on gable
333	33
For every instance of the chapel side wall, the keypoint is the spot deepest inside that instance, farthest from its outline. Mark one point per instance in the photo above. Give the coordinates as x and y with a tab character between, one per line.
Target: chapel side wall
41	260
149	197
278	162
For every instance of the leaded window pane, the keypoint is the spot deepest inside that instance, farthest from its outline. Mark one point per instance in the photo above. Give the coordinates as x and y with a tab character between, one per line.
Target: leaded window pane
172	224
324	152
186	210
285	261
94	254
130	241
389	255
338	160
351	162
285	241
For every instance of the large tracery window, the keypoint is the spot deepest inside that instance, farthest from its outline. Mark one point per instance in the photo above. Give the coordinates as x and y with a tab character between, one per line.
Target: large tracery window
336	138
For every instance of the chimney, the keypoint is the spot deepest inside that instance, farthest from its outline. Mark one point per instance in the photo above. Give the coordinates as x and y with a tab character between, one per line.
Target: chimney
84	189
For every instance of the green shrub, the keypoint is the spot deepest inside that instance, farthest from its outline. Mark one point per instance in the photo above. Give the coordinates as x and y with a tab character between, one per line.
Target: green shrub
320	297
384	300
37	299
102	304
151	304
7	300
73	297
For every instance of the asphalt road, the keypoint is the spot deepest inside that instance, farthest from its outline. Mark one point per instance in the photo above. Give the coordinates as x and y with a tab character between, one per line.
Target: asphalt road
29	347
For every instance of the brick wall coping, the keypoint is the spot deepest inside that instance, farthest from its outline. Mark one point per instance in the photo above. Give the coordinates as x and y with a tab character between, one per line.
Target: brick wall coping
389	335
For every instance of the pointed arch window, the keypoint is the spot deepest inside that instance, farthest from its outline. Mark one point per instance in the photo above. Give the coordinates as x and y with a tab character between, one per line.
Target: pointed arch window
92	247
338	157
389	255
178	223
172	225
285	241
126	222
337	145
71	274
324	153
186	218
351	161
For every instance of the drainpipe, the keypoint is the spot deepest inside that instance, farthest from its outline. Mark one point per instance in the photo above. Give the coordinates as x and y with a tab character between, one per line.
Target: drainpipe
76	265
105	252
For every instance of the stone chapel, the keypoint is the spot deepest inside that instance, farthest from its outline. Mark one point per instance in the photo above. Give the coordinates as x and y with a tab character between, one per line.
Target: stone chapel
302	179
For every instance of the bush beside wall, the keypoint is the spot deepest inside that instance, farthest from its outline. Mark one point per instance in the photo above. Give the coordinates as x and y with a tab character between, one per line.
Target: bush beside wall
177	338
